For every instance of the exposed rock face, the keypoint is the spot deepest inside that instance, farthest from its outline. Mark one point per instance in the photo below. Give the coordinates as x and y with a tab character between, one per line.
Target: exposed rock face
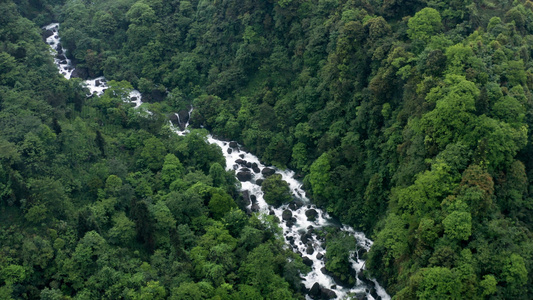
183	118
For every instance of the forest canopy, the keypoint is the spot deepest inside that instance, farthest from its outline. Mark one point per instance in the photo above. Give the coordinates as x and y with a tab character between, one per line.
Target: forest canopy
408	119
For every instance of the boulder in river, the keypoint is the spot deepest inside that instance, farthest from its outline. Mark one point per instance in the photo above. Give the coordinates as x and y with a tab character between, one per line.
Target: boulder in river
255	168
240	161
246	197
319	292
229	150
61	56
307	261
286	215
233	144
47	33
311	214
80	73
309	250
295	204
360	252
314	292
373	292
268	172
255	207
319	255
244	176
327	293
259	182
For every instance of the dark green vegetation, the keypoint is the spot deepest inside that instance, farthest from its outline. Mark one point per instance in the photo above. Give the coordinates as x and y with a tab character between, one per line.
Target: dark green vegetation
99	201
411	120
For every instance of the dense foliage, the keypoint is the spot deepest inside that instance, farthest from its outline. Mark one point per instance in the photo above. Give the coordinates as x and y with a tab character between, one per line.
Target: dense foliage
99	200
410	119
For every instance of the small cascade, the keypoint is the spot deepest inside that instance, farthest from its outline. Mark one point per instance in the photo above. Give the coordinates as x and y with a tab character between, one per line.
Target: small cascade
96	86
177	125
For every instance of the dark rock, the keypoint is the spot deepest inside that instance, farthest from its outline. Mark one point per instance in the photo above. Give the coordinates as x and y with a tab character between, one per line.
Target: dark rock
47	33
183	118
229	150
253	198
246	197
286	215
268	172
240	161
364	279
327	293
233	144
272	213
248	164
311	214
315	290
360	252
255	207
241	155
255	167
173	117
97	83
80	73
360	296
63	62
235	166
244	176
307	261
306	237
295	204
373	292
290	239
259	182
61	57
319	256
309	250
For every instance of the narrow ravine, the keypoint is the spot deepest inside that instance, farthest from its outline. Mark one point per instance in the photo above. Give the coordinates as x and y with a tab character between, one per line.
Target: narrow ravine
299	220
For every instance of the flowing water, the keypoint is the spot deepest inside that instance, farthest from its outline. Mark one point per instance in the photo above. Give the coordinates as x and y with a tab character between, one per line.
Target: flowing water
300	220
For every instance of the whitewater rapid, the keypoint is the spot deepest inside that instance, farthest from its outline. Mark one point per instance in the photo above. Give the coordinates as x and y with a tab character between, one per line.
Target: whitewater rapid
299	230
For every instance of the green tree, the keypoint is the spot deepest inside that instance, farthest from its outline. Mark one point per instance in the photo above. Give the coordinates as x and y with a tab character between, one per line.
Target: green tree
276	190
424	24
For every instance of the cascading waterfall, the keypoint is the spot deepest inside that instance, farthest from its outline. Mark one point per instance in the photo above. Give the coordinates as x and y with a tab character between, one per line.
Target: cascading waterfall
299	219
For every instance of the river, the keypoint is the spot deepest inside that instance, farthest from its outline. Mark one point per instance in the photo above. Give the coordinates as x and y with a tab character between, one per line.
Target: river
299	220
